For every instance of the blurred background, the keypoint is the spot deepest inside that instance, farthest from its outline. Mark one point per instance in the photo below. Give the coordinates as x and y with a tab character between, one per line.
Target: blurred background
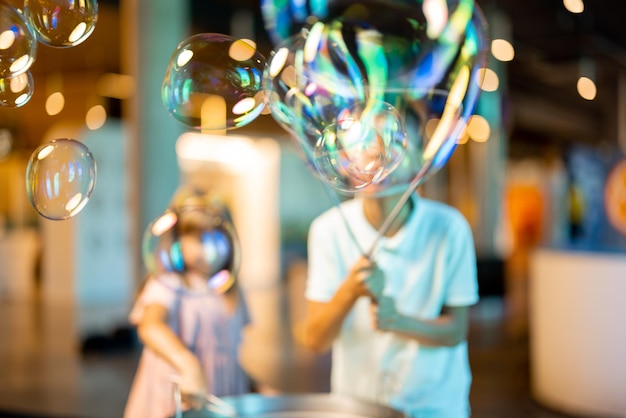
541	180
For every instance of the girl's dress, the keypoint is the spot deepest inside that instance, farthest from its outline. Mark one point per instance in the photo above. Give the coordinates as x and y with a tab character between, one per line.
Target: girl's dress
207	328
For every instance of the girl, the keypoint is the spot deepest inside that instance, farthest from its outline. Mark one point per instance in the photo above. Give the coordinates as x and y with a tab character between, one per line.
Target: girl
190	337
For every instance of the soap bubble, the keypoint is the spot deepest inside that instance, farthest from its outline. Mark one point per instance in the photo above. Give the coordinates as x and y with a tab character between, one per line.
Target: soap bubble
214	82
317	74
18	44
352	153
192	248
16	91
62	23
60	178
434	20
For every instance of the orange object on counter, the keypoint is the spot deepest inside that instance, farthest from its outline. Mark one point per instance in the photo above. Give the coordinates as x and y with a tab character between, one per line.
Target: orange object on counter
615	196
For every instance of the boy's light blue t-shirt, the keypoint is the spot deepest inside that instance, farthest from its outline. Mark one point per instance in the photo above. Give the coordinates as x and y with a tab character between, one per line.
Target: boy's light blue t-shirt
428	264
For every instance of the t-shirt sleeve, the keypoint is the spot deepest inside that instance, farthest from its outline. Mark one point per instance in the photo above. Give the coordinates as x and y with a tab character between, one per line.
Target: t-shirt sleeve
462	287
152	292
322	265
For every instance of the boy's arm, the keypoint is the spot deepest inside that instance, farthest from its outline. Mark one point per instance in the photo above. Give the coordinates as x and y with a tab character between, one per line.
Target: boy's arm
448	329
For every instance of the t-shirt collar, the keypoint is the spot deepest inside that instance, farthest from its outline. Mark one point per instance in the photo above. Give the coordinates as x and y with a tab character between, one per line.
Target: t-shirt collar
389	243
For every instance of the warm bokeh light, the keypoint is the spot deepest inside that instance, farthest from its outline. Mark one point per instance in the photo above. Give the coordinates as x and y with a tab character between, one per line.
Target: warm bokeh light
463	137
6	143
490	80
21	64
502	50
244	106
431	127
55	103
7	38
96	117
478	129
19	83
586	88
574	6
242	50
116	86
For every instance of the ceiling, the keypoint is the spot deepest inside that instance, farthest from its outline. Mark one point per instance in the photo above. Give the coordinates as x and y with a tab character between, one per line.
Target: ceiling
539	98
549	43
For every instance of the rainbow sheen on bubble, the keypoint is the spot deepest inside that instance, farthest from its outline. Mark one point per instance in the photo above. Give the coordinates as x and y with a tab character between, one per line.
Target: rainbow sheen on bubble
62	23
60	178
438	20
317	74
18	45
192	248
439	118
214	82
16	91
357	151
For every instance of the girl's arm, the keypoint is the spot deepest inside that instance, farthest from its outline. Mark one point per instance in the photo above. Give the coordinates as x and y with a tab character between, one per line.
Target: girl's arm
448	329
159	337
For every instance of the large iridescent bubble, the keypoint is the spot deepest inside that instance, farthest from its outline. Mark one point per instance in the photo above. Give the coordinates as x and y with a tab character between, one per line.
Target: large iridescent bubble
60	178
18	44
438	120
330	68
434	20
192	248
319	92
62	23
214	82
16	91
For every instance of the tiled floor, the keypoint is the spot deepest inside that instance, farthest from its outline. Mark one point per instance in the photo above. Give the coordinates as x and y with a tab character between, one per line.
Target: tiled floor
499	357
44	374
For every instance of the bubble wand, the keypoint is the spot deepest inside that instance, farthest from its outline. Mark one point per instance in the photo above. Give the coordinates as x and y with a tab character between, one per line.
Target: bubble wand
384	228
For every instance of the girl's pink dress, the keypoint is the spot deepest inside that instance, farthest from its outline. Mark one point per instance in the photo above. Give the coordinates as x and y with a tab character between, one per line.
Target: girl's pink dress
206	327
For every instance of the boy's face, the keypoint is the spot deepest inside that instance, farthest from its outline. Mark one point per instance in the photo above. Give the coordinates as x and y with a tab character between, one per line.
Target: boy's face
397	182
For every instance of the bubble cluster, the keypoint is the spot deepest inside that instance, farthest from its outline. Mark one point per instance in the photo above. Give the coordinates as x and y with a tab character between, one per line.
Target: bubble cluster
56	23
60	178
364	88
61	174
413	82
192	248
375	94
18	44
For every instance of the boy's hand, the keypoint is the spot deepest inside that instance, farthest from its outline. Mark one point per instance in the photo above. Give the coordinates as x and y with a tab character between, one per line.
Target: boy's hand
383	313
364	279
375	282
